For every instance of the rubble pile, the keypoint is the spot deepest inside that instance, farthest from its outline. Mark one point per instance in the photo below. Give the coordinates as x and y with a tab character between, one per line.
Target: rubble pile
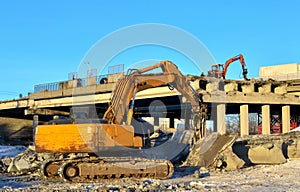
230	152
214	151
26	162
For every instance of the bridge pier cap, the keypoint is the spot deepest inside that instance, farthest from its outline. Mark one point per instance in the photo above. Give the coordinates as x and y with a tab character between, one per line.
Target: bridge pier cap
142	45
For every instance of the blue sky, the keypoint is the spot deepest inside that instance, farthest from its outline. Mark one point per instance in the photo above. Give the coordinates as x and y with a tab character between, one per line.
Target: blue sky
42	41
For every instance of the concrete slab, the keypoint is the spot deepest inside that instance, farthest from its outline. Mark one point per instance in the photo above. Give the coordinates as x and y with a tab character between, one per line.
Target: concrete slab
206	151
265	155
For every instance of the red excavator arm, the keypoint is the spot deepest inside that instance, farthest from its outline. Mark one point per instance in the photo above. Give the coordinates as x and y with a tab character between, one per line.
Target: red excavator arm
229	61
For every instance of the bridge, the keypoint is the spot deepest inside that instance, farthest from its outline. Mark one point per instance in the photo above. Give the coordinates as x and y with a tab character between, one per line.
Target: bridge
275	101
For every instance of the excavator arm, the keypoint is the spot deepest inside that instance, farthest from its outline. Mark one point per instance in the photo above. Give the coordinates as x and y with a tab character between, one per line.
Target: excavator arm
136	81
235	58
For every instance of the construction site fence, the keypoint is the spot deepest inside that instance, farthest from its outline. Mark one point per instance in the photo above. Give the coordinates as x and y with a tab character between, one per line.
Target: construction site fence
59	85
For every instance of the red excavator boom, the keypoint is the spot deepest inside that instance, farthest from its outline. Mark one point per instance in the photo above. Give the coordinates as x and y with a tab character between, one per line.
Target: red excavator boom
242	61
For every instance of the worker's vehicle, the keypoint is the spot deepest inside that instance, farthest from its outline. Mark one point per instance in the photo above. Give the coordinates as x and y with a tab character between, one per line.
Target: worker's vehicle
103	148
220	71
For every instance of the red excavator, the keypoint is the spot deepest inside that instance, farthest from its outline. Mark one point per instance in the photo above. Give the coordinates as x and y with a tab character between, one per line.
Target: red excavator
219	70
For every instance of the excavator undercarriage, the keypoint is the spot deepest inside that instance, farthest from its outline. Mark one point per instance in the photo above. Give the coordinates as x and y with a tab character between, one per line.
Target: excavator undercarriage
95	169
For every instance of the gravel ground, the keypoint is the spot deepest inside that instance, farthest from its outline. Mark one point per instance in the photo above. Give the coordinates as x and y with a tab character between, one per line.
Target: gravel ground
258	178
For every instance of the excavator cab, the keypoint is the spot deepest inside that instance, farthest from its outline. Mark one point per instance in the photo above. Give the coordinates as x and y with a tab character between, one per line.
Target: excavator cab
216	71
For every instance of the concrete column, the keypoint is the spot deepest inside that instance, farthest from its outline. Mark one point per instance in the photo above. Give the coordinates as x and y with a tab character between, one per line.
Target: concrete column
213	117
266	119
244	122
221	119
35	124
171	124
286	124
156	121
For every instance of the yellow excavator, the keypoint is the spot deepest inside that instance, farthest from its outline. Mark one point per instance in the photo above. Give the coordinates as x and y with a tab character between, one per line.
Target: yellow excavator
110	147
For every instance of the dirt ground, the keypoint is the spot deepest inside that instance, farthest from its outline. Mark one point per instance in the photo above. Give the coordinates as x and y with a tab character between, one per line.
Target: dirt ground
282	177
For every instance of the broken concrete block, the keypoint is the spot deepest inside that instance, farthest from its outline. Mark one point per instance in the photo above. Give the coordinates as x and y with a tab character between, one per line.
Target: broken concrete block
265	89
206	151
22	164
230	87
280	90
264	155
212	87
232	160
293	150
248	88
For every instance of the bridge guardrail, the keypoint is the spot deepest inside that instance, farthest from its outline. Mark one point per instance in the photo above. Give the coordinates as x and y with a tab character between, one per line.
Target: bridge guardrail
101	79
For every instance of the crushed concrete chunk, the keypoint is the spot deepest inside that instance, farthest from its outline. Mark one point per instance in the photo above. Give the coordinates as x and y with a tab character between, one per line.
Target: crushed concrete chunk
12	168
6	161
22	165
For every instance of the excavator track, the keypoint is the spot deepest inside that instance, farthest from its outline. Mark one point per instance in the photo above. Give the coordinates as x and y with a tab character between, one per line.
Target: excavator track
97	169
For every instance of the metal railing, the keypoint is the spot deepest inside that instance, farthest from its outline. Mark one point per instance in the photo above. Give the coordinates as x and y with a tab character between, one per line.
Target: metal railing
101	79
116	69
47	87
81	82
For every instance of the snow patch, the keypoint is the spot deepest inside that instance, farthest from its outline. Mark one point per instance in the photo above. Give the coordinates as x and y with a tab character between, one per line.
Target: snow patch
10	151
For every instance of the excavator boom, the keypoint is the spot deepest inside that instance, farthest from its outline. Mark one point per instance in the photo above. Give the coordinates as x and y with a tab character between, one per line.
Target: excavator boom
135	82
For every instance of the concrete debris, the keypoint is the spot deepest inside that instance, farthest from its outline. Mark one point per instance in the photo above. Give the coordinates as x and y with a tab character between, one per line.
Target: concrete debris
266	155
26	162
215	152
229	160
21	164
207	152
293	150
6	161
228	152
11	168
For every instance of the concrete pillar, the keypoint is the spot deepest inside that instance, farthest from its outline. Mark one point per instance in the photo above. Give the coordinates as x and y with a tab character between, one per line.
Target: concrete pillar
266	120
221	119
171	122
156	121
286	125
35	124
244	122
213	117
